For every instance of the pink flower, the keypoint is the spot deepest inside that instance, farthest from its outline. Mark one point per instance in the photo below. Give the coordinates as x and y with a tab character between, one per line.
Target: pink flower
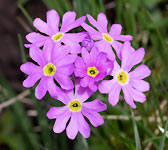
52	64
104	38
92	67
76	108
130	82
56	35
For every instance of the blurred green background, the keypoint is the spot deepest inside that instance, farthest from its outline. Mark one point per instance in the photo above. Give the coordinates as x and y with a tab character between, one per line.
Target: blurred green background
23	121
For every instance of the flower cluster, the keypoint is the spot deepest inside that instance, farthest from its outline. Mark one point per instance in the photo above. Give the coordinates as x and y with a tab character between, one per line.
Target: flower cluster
72	66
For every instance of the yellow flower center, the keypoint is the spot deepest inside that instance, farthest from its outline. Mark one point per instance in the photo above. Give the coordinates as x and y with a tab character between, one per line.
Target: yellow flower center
75	106
92	71
49	69
107	37
57	37
122	77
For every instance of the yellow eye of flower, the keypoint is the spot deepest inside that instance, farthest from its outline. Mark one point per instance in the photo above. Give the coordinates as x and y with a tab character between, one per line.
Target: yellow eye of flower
122	77
49	69
107	37
57	37
92	71
75	106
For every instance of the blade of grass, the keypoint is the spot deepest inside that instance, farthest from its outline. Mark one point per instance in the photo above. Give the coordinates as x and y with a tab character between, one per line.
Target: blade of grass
162	141
137	139
22	49
26	14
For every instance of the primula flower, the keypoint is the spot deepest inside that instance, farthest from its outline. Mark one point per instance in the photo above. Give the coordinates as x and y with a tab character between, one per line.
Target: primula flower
130	82
56	35
105	39
76	108
52	64
92	67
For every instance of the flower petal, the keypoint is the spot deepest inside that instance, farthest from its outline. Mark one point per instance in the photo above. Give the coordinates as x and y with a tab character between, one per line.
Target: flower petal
93	85
31	80
114	94
52	87
67	69
65	96
83	126
127	96
94	22
115	29
105	47
75	37
115	70
95	35
81	93
140	85
68	59
30	68
42	26
141	72
106	86
85	55
117	47
47	50
84	82
102	21
61	122
65	81
41	88
36	38
72	128
80	67
56	112
123	37
37	55
138	96
53	20
95	118
95	105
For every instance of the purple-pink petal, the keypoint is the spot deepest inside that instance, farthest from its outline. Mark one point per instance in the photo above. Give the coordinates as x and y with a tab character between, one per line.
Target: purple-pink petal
141	72
114	94
37	55
72	128
83	126
67	69
31	80
52	87
68	59
81	93
137	96
55	112
102	21
115	29
93	84
84	82
106	86
41	88
140	85
30	68
95	105
95	35
128	96
36	38
61	122
95	118
117	47
42	26
123	37
65	81
53	20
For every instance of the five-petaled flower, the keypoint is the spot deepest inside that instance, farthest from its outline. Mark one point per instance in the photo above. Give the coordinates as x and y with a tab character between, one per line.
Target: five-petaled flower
92	67
130	82
53	63
56	35
76	108
105	40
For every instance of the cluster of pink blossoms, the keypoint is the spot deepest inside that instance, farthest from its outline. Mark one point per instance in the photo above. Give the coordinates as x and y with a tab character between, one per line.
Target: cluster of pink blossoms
80	61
